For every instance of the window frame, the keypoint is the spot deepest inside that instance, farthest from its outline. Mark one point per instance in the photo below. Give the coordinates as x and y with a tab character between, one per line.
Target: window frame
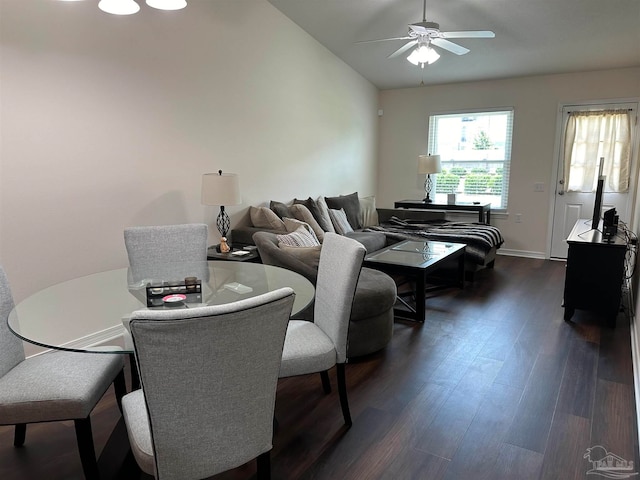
505	162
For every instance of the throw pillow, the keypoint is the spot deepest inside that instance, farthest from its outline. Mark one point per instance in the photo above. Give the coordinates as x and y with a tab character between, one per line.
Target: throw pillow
280	209
324	213
368	212
351	206
340	222
308	255
300	238
302	213
292	224
311	204
263	217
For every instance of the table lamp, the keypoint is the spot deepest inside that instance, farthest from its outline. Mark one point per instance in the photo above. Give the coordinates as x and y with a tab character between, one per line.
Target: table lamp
428	164
221	189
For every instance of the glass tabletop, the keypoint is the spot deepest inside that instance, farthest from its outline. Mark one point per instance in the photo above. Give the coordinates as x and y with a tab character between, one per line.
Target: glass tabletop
80	313
415	253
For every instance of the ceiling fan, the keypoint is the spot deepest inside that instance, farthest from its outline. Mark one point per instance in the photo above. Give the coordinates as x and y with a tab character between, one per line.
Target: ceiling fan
424	34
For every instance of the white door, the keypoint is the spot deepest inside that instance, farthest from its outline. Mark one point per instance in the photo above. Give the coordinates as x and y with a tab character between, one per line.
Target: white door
571	206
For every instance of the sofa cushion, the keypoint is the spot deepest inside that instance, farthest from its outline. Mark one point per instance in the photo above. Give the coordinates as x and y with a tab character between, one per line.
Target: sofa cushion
309	255
263	217
293	224
368	212
372	241
324	212
350	204
340	222
311	204
280	209
302	213
299	238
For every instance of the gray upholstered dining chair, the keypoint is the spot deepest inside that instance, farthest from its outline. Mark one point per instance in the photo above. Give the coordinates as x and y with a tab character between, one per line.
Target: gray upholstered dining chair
209	377
148	245
316	347
54	386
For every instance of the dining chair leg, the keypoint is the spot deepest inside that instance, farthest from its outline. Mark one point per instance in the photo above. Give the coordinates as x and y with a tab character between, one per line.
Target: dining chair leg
19	434
120	388
326	384
86	449
264	466
342	391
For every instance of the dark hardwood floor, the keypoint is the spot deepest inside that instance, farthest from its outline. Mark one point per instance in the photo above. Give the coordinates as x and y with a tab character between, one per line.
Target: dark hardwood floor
494	385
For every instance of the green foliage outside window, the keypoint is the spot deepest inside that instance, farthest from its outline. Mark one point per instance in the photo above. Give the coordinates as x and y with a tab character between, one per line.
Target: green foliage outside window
482	141
495	184
460	171
476	183
447	183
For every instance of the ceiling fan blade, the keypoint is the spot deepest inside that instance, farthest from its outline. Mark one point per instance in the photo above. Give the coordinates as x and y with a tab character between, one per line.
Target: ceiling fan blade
469	34
384	39
403	49
447	45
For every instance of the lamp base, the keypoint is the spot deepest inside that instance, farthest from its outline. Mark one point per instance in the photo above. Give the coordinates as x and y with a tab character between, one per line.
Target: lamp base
428	184
217	248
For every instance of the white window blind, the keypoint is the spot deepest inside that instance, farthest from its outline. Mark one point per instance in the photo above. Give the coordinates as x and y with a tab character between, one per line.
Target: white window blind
475	153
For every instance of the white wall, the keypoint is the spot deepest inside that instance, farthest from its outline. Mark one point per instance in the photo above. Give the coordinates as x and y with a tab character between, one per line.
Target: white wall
109	121
404	129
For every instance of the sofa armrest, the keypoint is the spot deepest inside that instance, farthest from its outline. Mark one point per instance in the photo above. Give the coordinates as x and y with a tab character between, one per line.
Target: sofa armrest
272	254
243	236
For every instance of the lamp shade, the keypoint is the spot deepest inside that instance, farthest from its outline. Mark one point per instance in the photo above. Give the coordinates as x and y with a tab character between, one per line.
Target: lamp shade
167	4
220	189
429	164
119	7
423	54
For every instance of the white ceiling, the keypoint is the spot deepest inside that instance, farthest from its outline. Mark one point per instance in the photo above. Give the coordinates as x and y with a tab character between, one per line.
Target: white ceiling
532	36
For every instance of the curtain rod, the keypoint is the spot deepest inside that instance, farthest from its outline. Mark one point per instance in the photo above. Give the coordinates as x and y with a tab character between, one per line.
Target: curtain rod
603	110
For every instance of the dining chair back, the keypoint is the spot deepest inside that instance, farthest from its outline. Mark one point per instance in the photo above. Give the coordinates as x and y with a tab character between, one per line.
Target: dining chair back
317	347
338	272
11	351
54	386
149	245
166	253
209	377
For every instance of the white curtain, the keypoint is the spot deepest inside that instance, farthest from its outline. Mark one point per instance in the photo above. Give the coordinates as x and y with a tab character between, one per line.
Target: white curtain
591	135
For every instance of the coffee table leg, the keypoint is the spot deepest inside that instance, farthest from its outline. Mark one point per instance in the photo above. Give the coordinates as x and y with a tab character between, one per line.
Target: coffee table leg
461	272
421	285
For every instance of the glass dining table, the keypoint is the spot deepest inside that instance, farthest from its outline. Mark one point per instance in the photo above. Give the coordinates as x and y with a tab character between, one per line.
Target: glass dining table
87	313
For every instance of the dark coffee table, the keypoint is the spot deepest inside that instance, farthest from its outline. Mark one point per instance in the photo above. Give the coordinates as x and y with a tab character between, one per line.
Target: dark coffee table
418	260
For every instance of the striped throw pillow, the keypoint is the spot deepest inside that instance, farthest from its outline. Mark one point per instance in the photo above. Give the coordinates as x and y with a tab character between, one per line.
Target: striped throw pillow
340	222
300	238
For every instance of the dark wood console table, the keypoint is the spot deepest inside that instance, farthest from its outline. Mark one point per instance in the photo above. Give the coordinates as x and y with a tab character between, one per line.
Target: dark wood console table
595	272
483	209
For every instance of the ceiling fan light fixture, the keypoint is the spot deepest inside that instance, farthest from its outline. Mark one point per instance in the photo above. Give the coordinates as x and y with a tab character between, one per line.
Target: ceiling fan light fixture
119	7
423	54
167	4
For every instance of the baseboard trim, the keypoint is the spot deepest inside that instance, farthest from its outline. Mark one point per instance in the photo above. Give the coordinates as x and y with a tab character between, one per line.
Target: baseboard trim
521	253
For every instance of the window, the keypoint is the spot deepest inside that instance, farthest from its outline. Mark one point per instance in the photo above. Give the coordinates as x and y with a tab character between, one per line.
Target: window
475	153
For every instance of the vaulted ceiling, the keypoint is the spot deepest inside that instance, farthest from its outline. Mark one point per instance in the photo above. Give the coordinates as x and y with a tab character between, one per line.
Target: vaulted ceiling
531	36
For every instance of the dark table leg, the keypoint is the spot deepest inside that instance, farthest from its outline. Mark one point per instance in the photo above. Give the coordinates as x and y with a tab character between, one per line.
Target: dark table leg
421	286
461	272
